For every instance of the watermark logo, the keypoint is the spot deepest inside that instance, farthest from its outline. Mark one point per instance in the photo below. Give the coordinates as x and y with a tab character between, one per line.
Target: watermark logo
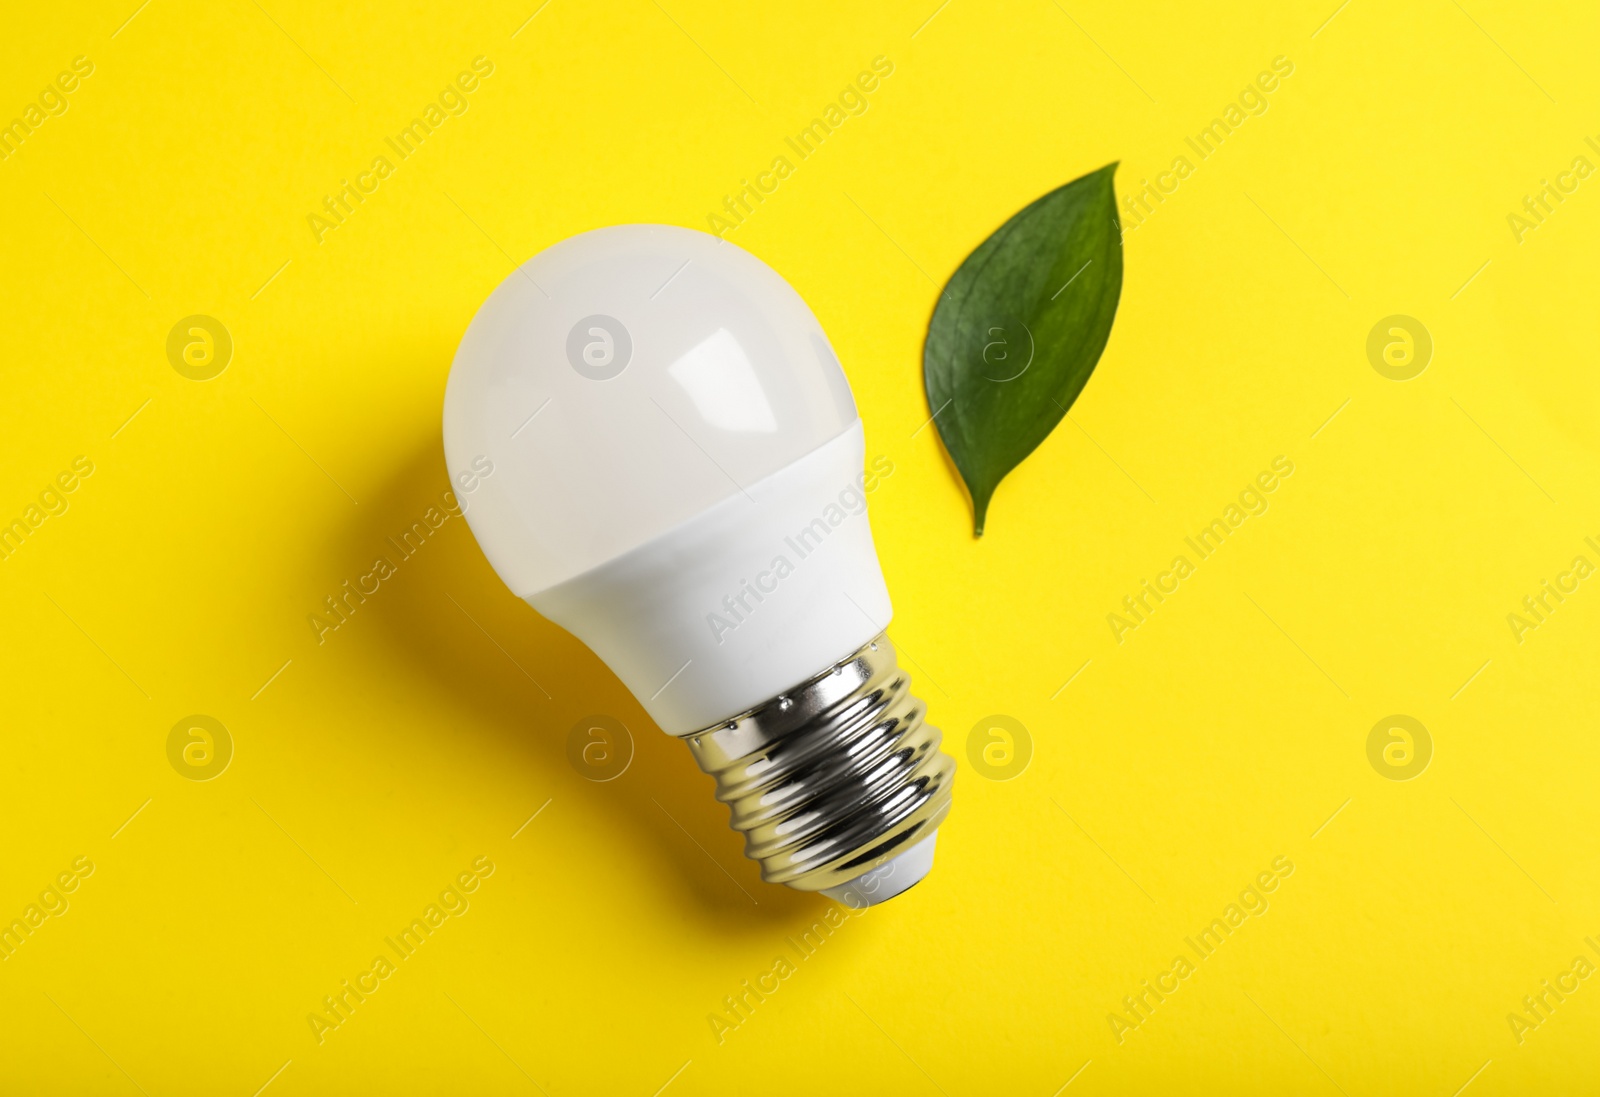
1140	203
1537	607
1141	1005
1007	349
737	608
1399	347
740	1006
1541	1005
599	748
599	347
451	102
340	1006
199	347
338	608
999	747
851	102
53	903
1252	502
1543	201
1399	747
52	502
199	747
52	102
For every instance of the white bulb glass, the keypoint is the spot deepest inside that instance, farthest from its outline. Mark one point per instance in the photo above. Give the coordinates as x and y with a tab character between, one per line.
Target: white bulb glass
677	468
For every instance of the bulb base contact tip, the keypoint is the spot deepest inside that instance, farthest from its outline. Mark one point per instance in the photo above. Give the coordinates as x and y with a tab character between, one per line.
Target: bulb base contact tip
838	785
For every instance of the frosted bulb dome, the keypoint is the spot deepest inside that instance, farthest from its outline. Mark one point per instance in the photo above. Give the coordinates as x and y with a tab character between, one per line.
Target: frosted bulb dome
626	379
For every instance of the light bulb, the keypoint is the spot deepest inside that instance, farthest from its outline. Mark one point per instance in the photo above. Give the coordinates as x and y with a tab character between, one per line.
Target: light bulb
678	481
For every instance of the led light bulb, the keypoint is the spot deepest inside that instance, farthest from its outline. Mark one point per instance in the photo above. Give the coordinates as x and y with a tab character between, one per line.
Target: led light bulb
678	481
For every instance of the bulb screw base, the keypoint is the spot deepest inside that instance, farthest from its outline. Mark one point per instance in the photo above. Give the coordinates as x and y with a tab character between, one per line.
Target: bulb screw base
834	777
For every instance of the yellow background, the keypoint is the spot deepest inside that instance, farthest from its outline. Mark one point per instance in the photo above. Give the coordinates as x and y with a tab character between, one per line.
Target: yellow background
1222	733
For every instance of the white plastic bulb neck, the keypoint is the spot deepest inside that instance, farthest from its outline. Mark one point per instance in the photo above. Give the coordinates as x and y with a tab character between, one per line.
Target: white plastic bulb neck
741	602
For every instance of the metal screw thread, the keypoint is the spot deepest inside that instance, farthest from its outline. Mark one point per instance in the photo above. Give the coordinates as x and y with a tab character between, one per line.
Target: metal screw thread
833	777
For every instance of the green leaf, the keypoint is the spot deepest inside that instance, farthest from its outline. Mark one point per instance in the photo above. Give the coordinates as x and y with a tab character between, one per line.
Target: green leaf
1019	328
